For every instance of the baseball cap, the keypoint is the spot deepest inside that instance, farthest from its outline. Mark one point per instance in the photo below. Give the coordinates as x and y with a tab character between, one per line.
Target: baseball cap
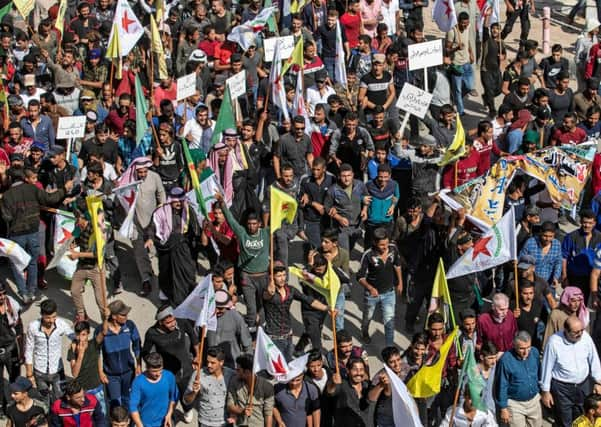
532	210
119	307
21	384
236	57
526	261
94	54
56	150
379	57
16	157
37	145
29	80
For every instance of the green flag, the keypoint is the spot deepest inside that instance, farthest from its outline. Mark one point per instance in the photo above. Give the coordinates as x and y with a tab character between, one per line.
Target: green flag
474	380
141	110
5	7
271	21
225	119
194	178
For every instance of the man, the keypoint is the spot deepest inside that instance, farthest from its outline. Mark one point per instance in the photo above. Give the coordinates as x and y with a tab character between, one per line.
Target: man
153	395
462	287
319	93
21	211
380	275
578	253
592	412
295	149
117	117
176	246
326	38
569	360
11	341
381	391
321	130
168	157
586	99
260	414
151	194
515	9
77	408
313	191
353	406
24	407
384	194
100	143
43	351
352	145
497	326
198	131
464	169
176	343
120	354
277	299
425	173
494	54
209	391
297	403
458	43
253	261
376	87
529	311
568	133
38	126
346	352
346	202
546	250
288	184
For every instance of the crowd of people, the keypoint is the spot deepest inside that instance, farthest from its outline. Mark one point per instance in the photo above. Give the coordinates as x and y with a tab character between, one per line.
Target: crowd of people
370	209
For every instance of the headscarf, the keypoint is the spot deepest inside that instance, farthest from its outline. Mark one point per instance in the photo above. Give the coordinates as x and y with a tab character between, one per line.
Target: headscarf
163	216
130	175
228	172
574	292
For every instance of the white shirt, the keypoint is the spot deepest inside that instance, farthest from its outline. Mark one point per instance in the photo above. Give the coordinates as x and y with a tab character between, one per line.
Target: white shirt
389	11
197	131
481	419
26	97
108	172
43	351
314	97
569	362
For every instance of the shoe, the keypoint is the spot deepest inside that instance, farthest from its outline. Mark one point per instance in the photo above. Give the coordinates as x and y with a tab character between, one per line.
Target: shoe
43	284
118	289
27	299
365	337
473	92
146	288
188	416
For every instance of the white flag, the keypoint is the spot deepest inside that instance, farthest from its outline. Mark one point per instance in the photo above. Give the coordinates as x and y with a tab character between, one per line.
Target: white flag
64	224
404	409
15	253
278	92
269	358
295	368
340	66
443	13
299	104
128	196
193	307
246	33
129	27
497	246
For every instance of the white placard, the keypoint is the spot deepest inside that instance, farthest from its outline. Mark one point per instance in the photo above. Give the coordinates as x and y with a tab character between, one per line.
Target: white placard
71	127
414	100
237	84
426	54
186	86
286	47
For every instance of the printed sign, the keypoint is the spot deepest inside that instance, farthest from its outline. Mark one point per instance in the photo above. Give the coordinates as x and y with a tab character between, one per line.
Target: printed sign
237	84
414	100
427	54
286	47
186	86
71	127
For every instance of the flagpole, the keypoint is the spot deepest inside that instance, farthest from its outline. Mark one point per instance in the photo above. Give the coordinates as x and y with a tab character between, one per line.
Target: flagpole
103	290
112	74
456	399
515	275
251	392
333	316
201	345
456	173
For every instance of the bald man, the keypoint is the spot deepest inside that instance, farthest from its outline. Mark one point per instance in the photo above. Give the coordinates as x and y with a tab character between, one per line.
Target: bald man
569	359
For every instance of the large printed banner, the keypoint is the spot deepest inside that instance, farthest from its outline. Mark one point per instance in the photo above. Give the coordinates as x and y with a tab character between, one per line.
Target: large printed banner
564	170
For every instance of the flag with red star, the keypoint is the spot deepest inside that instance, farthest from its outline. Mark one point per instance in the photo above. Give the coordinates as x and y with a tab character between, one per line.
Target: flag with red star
443	13
15	253
497	246
268	357
64	224
127	196
128	25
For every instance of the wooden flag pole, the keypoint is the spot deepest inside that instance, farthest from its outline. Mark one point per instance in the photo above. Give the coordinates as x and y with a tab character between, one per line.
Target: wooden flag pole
251	392
103	290
515	273
201	345
333	316
456	173
271	251
456	398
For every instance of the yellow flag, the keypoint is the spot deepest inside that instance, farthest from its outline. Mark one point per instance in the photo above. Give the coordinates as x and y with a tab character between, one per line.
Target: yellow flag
457	147
157	47
440	301
60	17
94	204
328	286
297	5
25	7
427	381
160	9
113	50
282	207
297	57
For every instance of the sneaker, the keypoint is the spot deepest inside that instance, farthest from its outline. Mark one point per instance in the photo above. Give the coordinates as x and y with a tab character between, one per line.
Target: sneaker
188	416
43	284
365	337
118	289
146	288
27	299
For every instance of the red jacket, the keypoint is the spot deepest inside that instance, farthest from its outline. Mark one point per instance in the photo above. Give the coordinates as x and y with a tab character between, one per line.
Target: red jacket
596	173
594	59
90	414
468	168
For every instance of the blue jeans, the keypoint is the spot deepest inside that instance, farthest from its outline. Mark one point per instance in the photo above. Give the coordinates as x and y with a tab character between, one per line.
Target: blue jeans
340	301
387	302
31	244
467	80
117	389
330	65
98	393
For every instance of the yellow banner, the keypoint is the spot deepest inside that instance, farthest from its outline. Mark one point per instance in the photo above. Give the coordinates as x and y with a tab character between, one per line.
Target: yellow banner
94	204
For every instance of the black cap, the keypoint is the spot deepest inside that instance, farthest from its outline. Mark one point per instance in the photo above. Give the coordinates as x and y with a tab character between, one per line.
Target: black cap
236	57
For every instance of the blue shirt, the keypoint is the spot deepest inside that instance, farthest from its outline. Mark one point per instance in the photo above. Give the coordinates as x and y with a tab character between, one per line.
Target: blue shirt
117	348
513	140
393	161
128	150
579	257
547	266
43	132
517	379
152	399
